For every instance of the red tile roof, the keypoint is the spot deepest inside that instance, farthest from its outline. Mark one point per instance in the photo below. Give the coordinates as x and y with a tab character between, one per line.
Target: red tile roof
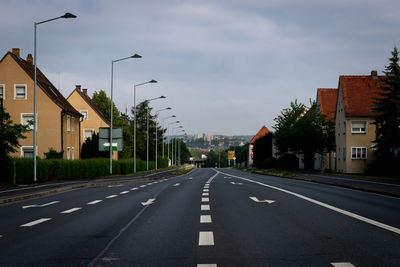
42	82
357	93
327	98
93	106
262	132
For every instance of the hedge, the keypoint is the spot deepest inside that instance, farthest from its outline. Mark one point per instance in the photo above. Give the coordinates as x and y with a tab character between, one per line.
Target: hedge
60	169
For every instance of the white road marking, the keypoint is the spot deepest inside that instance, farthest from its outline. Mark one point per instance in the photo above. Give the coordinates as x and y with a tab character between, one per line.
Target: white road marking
112	196
205	199
342	264
116	185
263	201
148	202
237	183
206	239
40	206
1	236
205	207
205	190
205	194
70	210
206	186
35	222
177	184
94	202
190	178
124	192
206	265
205	218
344	212
142	186
135	188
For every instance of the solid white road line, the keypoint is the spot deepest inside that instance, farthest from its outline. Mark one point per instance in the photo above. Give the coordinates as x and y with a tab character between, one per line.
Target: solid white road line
135	188
342	264
344	212
112	196
205	199
205	207
124	192
206	239
40	206
206	265
70	210
35	222
205	194
205	218
94	202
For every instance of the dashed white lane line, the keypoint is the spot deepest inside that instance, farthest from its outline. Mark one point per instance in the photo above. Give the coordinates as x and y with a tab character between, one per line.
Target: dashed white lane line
35	222
206	265
142	186
124	192
206	190
177	184
112	196
205	194
94	202
342	264
40	206
205	218
135	188
70	210
205	207
205	199
206	239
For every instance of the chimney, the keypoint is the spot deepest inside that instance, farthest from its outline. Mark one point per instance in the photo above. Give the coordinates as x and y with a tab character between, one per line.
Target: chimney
78	87
85	91
374	74
15	51
29	58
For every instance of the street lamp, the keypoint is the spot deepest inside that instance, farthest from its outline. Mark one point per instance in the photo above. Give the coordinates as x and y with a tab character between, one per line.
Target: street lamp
178	156
173	116
174	144
160	97
134	127
168	145
157	112
65	16
111	105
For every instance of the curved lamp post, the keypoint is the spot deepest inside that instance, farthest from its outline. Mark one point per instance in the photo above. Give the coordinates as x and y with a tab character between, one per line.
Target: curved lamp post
65	16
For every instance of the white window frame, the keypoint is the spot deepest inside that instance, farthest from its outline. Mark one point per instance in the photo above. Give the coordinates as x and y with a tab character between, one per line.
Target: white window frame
23	122
68	123
22	150
3	86
15	91
72	124
359	131
87	114
87	129
73	153
68	153
359	156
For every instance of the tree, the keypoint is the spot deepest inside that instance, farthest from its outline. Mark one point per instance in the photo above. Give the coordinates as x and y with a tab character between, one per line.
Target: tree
262	150
90	148
53	154
217	158
9	140
241	153
387	119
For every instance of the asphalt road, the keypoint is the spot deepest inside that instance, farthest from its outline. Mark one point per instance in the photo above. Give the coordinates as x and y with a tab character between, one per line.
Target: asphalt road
209	217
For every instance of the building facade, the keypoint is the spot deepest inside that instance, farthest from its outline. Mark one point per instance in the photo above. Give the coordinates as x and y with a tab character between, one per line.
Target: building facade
262	132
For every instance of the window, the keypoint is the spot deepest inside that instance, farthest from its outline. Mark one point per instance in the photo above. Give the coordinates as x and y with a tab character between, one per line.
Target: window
2	91
85	114
72	124
87	134
358	126
68	123
19	91
27	152
344	127
358	153
73	153
68	153
27	119
344	153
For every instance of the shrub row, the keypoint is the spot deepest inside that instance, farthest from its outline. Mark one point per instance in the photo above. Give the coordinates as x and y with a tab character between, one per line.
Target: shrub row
60	169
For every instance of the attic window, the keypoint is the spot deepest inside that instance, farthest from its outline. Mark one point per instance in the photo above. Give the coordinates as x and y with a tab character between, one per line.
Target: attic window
1	91
358	126
20	91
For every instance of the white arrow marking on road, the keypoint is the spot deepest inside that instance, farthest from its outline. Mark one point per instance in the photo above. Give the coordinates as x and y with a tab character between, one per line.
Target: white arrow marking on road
237	183
263	201
177	184
148	202
39	206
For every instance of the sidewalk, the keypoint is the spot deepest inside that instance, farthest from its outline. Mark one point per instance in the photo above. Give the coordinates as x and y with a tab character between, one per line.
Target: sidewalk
23	192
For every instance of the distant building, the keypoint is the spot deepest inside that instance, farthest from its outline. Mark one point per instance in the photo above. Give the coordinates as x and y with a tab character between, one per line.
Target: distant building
262	132
58	122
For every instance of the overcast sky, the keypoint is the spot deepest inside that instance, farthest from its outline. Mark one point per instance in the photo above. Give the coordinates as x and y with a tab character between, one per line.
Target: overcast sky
226	67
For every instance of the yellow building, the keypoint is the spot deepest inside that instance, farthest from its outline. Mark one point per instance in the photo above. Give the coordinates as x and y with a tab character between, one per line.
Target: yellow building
58	122
355	131
92	119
